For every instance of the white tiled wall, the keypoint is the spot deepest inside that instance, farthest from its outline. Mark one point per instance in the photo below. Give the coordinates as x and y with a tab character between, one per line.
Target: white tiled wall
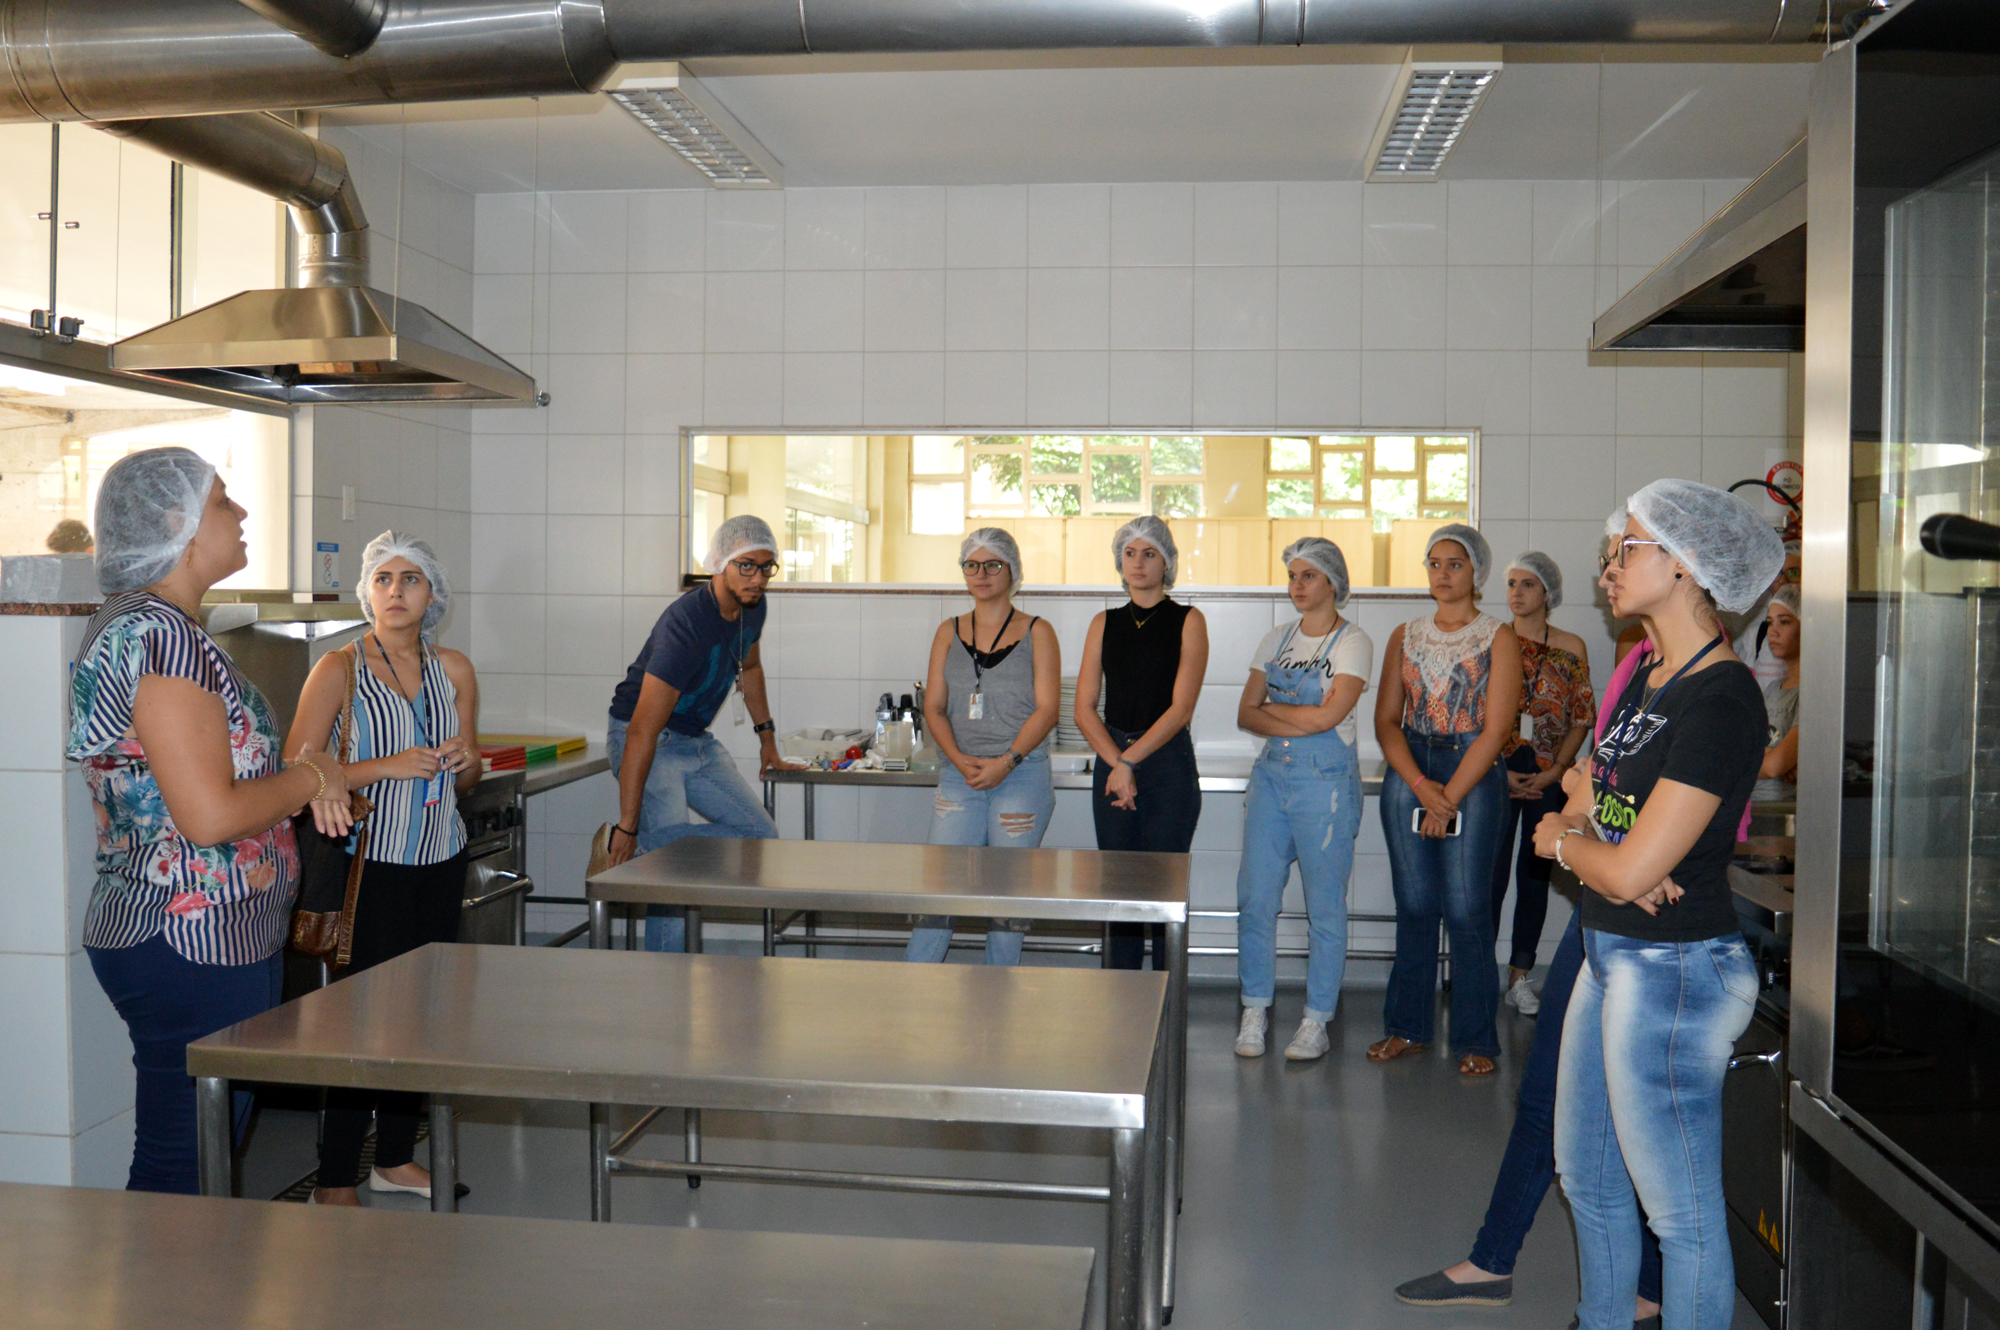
1302	306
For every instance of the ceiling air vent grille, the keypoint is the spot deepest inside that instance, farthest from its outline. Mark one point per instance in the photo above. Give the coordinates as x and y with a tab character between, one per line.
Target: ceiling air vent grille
1434	102
676	110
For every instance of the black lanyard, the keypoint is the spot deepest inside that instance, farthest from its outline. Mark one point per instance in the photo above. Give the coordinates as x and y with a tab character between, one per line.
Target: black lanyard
972	647
1639	708
421	715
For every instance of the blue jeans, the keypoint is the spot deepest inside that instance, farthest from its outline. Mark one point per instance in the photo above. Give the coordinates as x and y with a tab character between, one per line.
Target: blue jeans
168	1002
1303	806
1015	813
691	773
1168	806
1450	878
1639	1121
1530	1162
1529	871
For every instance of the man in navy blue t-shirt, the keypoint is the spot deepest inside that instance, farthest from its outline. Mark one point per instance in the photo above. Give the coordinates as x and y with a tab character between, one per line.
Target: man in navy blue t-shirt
668	764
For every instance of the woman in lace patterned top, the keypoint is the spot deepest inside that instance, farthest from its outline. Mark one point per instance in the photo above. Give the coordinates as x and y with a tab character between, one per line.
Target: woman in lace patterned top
1451	688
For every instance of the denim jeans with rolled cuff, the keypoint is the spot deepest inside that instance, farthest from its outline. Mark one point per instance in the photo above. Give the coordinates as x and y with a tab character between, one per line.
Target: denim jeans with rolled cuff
1448	878
1650	1031
1168	804
1013	814
690	774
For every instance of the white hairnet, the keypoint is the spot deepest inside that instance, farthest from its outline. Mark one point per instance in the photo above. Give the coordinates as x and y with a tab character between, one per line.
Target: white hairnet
1475	544
738	536
395	545
1324	555
995	539
1154	532
1788	596
1545	571
1732	552
149	506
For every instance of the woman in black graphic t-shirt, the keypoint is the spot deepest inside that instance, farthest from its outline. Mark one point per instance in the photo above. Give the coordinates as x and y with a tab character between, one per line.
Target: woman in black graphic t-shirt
1667	984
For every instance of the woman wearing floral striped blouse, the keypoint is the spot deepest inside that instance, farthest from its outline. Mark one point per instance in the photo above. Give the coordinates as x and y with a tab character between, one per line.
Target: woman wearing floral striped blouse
415	711
196	864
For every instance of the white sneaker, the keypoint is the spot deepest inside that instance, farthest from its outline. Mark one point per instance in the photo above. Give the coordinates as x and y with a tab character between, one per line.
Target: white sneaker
1523	998
1250	1034
1309	1043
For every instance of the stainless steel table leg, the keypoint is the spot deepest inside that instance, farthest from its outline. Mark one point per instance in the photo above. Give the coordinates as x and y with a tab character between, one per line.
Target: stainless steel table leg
1104	948
771	800
634	918
1174	1108
812	929
808	791
1156	1297
770	933
1124	1268
215	1149
691	1134
600	925
600	1163
444	1157
693	930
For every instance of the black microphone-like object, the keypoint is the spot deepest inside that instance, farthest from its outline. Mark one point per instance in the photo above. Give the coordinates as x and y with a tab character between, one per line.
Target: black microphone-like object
1956	536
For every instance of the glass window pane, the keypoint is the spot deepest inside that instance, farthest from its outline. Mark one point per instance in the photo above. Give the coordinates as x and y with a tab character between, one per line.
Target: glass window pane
1445	477
1447	441
1395	452
1343	441
1114	478
1291	455
1058	454
1340	477
1178	500
1057	501
700	525
822	464
712	450
1177	455
1118	441
820	549
996	478
1358	513
1288	498
1391	499
932	454
937	508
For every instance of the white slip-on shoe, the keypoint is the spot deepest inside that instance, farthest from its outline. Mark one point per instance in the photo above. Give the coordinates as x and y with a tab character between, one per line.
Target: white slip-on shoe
1309	1043
380	1181
1523	998
1250	1033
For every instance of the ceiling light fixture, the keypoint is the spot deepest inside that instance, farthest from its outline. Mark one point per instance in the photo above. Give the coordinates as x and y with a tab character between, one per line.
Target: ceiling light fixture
672	106
1432	103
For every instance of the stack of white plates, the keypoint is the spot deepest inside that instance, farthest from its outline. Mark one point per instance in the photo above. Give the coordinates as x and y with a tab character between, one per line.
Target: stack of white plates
1067	734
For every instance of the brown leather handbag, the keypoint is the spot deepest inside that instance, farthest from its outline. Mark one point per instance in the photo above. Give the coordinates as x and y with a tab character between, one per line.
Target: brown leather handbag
330	877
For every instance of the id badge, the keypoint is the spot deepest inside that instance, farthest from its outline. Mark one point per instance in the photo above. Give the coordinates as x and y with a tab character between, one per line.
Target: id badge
434	789
737	710
976	708
1527	728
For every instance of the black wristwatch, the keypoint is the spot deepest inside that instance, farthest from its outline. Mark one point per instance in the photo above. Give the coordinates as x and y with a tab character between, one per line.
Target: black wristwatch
765	727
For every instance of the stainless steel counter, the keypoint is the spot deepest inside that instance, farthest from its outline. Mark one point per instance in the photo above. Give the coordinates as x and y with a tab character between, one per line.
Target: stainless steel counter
74	1258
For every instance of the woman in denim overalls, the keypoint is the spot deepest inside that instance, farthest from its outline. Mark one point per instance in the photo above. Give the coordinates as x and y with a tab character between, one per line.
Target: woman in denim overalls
1304	803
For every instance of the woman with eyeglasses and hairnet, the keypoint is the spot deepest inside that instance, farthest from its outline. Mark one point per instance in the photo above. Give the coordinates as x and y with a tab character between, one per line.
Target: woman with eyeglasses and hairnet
1557	710
1148	657
991	700
1451	693
415	716
197	867
1304	800
1668	983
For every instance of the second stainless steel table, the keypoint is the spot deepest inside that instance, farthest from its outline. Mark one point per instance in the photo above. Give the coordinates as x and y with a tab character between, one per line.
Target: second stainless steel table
939	1043
1097	886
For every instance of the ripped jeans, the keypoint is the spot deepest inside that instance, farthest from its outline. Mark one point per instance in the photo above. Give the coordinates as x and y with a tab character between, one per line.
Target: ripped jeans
1014	814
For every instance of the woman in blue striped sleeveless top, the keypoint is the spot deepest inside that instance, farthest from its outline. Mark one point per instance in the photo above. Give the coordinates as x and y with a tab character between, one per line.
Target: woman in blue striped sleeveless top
415	714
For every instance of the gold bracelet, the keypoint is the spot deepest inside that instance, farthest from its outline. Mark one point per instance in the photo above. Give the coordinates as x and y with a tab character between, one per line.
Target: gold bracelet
308	762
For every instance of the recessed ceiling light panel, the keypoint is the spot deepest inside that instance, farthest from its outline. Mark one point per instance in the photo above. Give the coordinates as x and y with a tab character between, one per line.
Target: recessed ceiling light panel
673	107
1433	102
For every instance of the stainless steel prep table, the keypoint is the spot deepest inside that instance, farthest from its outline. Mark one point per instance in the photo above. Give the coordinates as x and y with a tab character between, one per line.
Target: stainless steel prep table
939	1043
1094	886
75	1258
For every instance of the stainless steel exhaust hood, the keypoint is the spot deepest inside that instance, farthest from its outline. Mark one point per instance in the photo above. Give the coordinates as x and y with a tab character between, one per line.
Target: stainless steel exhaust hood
330	337
1738	284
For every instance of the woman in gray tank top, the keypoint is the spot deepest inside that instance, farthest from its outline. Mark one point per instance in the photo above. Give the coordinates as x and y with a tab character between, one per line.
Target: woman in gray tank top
994	691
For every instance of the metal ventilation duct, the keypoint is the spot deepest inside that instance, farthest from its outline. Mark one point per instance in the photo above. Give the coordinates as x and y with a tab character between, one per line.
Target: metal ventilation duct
330	337
128	59
1737	284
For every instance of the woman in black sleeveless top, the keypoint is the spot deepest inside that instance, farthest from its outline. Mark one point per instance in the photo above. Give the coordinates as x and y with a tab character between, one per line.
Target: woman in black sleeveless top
1150	655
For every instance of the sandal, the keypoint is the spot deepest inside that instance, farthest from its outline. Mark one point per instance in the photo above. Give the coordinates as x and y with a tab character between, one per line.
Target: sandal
1395	1046
1476	1064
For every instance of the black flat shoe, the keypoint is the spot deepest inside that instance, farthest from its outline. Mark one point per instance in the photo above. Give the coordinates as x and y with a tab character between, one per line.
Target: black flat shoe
1438	1290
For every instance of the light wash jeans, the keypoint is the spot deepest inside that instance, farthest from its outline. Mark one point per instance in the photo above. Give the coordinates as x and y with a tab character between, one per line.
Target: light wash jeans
1304	805
1650	1031
691	773
1013	814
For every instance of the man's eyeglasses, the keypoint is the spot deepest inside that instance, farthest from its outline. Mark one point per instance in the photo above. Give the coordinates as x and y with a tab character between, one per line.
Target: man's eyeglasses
1617	556
751	568
991	567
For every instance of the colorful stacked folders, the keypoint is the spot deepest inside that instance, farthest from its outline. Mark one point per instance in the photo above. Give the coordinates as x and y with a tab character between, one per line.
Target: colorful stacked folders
514	752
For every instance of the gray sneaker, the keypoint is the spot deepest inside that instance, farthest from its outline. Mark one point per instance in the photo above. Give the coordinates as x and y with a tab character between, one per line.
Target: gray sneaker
1438	1290
1250	1033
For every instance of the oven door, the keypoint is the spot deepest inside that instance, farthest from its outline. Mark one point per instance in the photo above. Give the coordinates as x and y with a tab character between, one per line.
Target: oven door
496	900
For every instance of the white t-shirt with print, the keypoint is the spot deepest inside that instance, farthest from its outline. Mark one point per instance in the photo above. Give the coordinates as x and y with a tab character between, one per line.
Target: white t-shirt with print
1353	654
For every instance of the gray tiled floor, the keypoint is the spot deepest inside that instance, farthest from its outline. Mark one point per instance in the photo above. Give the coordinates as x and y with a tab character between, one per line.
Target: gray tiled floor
1311	1189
